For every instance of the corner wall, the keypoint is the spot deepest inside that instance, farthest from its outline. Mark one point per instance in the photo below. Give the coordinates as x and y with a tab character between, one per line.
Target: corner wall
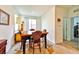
48	23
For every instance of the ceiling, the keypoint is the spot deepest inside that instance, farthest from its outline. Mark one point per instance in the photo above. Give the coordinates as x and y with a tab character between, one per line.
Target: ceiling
32	10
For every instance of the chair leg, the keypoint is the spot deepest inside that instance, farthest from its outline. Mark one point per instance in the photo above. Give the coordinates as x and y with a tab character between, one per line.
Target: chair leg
40	47
21	44
33	48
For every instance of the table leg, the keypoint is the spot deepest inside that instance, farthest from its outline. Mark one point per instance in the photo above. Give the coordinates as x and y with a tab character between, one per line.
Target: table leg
45	41
24	41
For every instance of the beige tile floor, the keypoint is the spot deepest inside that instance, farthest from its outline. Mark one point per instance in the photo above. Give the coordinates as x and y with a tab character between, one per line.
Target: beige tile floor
52	49
64	49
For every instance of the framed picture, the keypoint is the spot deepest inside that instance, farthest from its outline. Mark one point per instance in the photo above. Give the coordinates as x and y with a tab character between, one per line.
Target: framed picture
4	18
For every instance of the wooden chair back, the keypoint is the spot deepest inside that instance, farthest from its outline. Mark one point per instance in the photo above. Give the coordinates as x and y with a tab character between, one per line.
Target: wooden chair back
36	36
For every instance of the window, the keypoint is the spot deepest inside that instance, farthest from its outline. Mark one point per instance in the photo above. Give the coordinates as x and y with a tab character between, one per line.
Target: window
32	23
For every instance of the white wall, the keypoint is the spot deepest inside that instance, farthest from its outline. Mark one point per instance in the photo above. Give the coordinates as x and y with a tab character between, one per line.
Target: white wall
38	23
48	22
7	31
26	23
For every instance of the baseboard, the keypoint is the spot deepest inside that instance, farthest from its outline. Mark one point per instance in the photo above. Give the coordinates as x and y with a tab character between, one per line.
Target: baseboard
50	42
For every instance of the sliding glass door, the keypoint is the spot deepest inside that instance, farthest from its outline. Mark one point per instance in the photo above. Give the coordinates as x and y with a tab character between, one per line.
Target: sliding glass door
64	29
71	31
75	31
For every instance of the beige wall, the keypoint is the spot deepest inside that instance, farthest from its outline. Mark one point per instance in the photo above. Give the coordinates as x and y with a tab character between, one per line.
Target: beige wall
72	13
7	31
60	13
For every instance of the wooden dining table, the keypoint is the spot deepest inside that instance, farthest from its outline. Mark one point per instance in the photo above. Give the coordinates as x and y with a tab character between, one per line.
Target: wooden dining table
27	36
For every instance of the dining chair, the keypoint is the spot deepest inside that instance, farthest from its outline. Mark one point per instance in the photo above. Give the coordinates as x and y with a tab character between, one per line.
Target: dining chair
36	39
